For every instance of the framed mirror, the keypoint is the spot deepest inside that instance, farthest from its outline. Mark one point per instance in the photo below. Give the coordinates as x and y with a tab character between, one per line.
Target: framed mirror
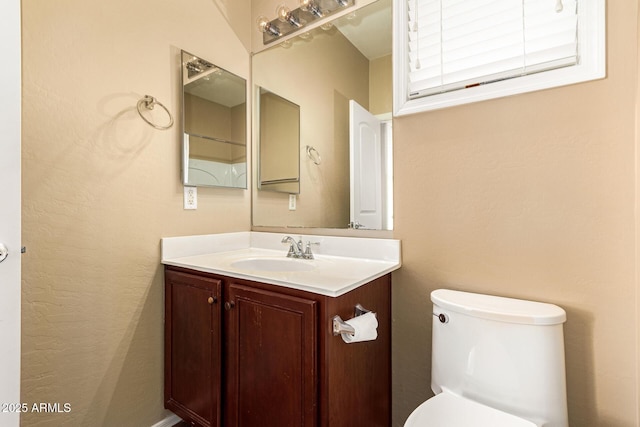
214	106
278	143
326	72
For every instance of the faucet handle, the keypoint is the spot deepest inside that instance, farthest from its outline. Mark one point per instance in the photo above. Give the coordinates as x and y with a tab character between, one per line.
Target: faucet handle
307	252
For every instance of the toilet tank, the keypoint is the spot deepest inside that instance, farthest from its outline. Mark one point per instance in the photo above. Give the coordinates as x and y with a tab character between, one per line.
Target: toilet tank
502	352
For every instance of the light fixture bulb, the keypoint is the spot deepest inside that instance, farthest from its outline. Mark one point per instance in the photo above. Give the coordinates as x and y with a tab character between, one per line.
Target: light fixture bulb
284	15
311	7
282	12
262	22
267	27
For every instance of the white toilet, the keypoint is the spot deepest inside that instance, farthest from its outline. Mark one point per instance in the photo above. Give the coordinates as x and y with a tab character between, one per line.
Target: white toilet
496	362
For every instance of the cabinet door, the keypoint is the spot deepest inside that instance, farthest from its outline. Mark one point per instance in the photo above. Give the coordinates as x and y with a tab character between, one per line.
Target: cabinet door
192	347
271	359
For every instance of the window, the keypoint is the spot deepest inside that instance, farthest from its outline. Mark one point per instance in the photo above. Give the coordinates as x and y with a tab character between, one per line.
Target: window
452	52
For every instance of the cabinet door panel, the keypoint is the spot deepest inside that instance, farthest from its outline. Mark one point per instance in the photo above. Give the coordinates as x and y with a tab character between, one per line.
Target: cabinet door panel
271	344
193	347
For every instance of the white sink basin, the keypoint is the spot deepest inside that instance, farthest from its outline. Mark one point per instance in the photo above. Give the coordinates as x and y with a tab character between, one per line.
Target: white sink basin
341	264
273	264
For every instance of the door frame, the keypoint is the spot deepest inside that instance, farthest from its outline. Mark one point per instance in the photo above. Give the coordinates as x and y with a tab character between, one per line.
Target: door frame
10	211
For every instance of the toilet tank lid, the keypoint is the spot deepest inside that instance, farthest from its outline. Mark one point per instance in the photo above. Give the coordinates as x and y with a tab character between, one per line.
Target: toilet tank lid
499	308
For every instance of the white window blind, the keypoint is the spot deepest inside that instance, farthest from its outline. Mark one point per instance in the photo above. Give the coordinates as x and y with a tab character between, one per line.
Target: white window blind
458	44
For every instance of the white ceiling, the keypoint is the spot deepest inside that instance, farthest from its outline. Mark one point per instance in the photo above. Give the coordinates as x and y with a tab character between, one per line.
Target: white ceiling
370	30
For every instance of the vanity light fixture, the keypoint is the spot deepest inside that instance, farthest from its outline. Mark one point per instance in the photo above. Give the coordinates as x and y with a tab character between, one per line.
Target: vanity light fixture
289	21
197	66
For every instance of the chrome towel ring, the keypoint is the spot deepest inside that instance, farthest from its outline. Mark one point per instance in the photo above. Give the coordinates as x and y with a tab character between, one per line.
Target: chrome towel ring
149	102
314	155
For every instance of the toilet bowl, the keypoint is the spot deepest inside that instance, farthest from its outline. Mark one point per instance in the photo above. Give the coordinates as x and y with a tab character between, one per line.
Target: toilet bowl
496	362
448	410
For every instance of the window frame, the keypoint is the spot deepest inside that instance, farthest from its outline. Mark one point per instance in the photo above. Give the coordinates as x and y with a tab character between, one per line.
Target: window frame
592	65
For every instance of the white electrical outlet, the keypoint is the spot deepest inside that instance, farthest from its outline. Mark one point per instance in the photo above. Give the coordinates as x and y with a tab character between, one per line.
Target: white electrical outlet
190	197
292	202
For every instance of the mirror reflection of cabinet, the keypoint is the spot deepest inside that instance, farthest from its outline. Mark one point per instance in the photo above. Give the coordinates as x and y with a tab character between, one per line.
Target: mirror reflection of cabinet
279	144
214	125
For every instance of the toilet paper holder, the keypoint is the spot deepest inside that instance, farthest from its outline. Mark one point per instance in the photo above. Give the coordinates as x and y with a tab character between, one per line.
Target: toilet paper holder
339	325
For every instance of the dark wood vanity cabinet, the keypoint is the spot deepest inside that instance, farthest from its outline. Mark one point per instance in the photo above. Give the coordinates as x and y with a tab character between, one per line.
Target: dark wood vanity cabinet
193	332
271	352
241	353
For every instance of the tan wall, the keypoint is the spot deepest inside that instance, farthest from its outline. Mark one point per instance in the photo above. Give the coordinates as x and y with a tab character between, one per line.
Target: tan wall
320	76
100	188
380	85
637	222
279	139
239	122
236	13
203	117
530	196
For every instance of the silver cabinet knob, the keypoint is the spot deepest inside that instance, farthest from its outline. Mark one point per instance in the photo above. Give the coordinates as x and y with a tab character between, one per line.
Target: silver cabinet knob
4	252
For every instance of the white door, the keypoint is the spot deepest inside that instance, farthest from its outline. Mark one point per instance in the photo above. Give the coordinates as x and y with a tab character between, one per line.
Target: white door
10	212
365	156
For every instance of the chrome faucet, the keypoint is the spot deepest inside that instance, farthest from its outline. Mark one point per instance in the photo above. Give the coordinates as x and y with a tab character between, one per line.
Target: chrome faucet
295	248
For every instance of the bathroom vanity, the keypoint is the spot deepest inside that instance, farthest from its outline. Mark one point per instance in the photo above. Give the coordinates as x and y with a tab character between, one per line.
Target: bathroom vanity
249	333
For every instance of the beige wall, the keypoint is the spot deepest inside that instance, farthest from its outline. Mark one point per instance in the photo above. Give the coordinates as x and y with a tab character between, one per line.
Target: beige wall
380	85
279	139
239	122
236	13
204	117
100	188
637	219
530	196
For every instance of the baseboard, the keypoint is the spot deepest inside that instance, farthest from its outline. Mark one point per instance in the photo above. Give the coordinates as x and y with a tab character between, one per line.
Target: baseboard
170	421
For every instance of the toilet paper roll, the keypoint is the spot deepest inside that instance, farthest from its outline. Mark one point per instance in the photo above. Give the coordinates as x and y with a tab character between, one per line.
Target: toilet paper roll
366	327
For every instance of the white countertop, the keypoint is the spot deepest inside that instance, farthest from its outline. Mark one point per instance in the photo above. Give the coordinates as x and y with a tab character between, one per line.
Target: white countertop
341	264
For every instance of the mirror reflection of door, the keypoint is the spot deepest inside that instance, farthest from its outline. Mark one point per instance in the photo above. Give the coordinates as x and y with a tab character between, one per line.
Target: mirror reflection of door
365	156
369	157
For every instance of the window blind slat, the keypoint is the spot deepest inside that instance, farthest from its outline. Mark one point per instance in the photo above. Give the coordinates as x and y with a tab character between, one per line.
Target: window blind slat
456	43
